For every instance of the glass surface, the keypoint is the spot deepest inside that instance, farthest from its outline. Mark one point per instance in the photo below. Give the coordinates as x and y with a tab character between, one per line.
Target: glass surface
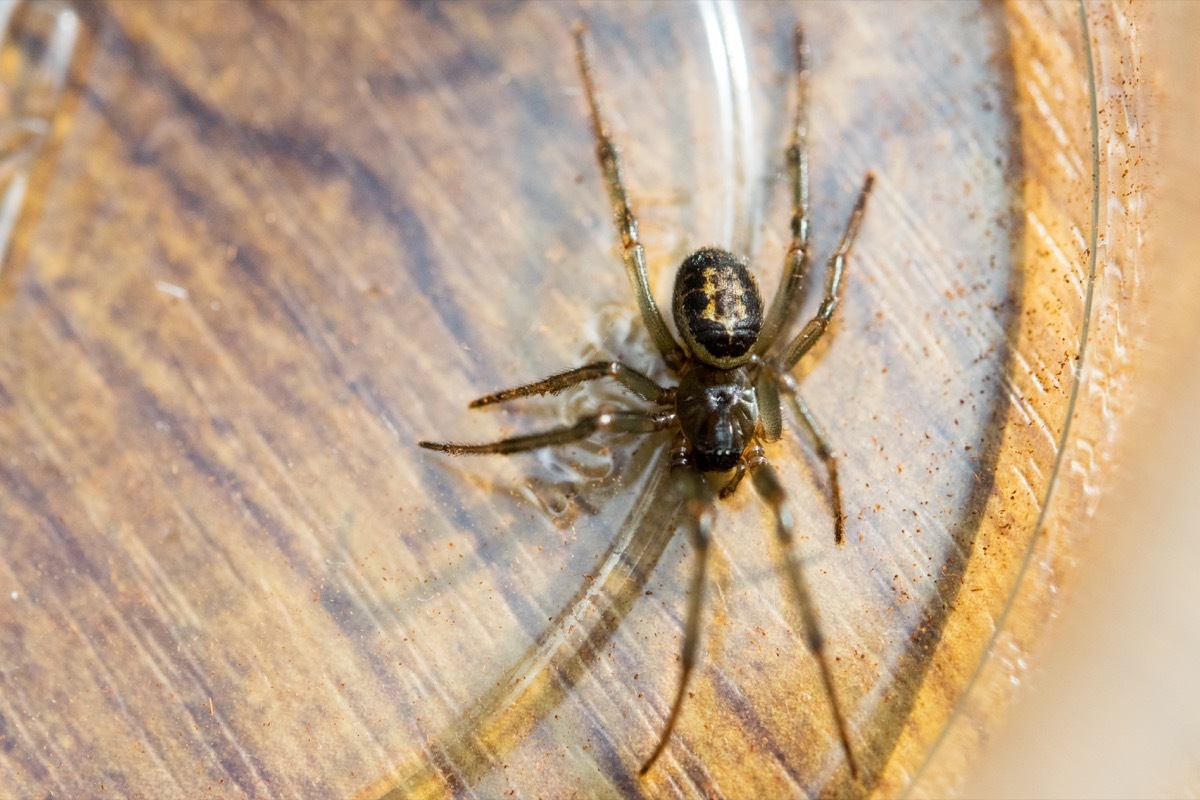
37	43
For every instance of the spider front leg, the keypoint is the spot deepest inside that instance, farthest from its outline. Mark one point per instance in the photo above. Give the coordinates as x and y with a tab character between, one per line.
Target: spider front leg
611	421
766	483
797	163
627	226
628	377
816	326
701	512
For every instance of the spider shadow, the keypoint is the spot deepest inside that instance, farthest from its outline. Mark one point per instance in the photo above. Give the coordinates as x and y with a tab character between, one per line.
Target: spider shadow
544	676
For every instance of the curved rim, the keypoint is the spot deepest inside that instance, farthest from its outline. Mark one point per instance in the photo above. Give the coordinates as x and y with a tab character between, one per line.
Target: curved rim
1063	439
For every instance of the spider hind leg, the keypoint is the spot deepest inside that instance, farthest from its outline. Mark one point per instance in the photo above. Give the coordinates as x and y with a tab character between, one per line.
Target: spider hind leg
641	385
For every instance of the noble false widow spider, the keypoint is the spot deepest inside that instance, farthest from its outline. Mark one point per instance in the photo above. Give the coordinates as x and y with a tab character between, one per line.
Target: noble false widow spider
728	399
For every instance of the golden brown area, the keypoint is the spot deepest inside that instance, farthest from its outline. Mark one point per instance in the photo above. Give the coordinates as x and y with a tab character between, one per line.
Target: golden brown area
726	297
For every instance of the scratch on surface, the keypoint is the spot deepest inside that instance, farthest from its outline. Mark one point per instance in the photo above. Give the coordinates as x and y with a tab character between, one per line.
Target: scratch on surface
174	290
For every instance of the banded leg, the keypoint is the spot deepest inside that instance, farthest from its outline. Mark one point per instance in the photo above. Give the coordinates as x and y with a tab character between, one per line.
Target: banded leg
610	421
766	483
797	164
632	252
630	378
816	326
701	511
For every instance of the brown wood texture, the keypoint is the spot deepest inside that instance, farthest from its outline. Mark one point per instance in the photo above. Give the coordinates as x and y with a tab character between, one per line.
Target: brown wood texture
276	244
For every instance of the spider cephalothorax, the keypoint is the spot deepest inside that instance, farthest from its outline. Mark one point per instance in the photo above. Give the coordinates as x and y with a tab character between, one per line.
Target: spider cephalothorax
717	413
728	399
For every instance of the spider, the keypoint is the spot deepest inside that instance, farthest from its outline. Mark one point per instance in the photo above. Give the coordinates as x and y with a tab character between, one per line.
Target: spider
727	402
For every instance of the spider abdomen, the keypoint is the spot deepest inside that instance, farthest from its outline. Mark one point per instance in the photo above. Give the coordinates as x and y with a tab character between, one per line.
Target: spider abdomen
717	307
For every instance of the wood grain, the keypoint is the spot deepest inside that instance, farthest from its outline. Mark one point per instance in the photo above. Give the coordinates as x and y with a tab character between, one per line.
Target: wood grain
278	243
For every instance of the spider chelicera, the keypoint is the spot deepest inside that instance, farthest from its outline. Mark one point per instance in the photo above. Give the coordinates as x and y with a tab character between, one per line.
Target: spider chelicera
728	399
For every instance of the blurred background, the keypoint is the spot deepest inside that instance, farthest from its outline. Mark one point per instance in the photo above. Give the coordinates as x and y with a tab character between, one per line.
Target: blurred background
253	252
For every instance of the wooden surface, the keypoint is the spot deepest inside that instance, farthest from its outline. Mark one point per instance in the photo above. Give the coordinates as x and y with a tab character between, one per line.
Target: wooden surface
1113	709
276	244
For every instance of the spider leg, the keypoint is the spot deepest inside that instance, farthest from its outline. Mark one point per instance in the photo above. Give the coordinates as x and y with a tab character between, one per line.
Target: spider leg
797	163
816	326
766	483
630	378
611	421
770	417
770	411
702	512
632	252
732	484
